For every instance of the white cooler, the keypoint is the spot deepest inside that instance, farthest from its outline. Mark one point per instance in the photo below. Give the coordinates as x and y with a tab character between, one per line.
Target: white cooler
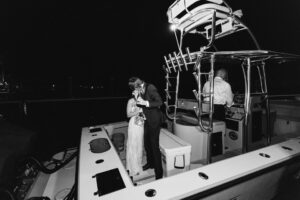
198	139
176	153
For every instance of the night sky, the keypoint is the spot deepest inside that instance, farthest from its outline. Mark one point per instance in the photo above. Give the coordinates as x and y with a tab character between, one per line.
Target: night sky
110	41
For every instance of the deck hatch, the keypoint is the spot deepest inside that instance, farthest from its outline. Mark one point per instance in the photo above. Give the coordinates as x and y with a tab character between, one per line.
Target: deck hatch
108	182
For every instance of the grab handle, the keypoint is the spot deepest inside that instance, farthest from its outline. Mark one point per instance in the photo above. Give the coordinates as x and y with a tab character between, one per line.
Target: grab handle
176	162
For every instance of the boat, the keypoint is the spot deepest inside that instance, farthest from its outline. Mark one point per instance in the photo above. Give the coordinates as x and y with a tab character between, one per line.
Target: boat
202	158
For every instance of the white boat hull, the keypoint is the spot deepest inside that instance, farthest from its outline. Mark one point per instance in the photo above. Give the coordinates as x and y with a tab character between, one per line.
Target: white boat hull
254	175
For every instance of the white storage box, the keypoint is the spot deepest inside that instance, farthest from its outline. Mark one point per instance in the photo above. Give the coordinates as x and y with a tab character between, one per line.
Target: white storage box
198	139
176	153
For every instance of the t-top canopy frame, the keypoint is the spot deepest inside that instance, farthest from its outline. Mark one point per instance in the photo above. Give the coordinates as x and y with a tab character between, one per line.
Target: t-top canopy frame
203	17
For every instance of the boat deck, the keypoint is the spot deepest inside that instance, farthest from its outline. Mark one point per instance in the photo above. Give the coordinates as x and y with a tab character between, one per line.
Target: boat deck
149	176
247	172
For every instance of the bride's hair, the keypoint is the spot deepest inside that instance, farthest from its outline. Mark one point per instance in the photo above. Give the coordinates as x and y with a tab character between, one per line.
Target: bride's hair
135	82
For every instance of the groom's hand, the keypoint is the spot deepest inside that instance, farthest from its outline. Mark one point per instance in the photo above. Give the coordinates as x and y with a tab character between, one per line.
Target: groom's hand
142	102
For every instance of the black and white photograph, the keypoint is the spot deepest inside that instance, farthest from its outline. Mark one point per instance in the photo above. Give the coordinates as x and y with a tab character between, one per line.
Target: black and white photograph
150	100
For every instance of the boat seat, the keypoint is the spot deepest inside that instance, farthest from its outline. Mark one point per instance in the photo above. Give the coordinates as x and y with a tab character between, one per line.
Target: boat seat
99	145
118	140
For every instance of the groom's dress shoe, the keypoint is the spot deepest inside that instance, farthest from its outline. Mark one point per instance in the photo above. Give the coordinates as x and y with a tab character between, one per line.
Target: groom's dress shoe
147	166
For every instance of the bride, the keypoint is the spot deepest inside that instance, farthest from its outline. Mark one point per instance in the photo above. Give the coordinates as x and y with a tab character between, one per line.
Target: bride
135	139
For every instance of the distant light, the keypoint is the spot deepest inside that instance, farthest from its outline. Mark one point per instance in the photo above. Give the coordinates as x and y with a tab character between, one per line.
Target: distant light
173	27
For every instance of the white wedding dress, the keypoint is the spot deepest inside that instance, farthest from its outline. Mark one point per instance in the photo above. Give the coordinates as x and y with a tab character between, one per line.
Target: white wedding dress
135	140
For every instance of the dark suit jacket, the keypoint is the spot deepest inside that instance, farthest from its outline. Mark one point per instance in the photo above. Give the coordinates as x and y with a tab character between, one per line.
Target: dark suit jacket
153	113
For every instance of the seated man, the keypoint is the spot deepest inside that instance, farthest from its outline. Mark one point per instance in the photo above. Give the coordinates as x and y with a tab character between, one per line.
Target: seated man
222	94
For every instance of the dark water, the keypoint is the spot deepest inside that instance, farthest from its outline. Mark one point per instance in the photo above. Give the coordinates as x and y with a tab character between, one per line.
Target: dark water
58	123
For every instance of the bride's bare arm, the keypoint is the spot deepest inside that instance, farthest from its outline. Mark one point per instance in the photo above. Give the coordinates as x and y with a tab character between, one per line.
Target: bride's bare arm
130	111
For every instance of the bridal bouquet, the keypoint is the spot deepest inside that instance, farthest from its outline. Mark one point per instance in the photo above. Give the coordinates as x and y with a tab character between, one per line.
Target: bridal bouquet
140	117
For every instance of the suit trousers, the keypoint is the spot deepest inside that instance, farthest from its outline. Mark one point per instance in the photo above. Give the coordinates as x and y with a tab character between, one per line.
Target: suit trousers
152	128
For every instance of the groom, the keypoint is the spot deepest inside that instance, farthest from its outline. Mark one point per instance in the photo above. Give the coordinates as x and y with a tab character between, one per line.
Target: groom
150	101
